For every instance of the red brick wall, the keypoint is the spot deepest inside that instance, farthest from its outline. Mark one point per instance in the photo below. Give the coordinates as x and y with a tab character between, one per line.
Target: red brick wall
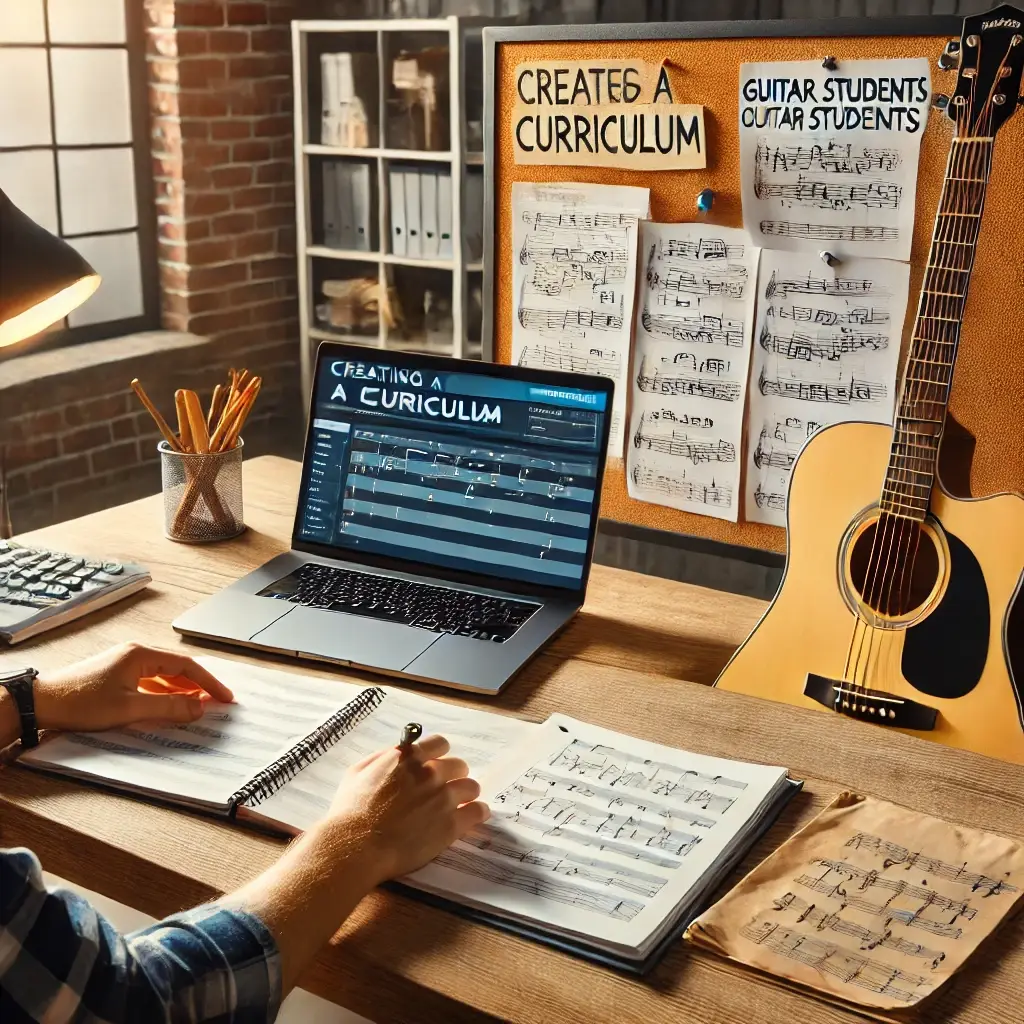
221	99
220	95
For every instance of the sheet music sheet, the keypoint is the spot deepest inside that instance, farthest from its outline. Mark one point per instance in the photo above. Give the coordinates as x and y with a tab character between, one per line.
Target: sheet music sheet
695	317
826	350
574	260
873	903
828	159
209	760
478	737
597	834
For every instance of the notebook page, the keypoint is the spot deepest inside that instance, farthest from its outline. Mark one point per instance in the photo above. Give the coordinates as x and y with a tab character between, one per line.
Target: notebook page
597	834
476	736
207	761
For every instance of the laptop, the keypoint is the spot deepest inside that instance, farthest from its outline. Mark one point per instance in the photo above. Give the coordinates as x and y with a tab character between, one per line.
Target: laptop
445	524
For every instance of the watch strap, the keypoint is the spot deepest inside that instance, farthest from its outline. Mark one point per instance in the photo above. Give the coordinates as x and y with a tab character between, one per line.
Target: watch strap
20	688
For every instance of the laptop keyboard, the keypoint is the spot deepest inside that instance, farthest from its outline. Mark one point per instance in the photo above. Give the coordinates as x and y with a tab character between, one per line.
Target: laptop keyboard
439	609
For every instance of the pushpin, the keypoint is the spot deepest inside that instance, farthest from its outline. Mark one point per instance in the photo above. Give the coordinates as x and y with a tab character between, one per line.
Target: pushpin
829	64
940	101
705	200
828	259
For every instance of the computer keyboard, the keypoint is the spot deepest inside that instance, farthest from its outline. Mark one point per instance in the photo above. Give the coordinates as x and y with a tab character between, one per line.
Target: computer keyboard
41	588
439	609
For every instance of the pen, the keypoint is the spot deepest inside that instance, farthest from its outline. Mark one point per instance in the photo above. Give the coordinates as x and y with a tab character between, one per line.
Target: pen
410	734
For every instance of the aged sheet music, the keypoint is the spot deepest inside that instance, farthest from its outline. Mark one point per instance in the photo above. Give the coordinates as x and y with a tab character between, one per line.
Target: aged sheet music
574	259
597	834
695	314
826	350
828	159
871	903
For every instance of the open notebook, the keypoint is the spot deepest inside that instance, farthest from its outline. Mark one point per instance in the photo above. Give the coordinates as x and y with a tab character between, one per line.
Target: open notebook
601	844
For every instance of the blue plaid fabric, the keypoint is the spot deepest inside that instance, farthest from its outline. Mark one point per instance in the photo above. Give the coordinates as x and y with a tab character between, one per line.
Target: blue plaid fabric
61	961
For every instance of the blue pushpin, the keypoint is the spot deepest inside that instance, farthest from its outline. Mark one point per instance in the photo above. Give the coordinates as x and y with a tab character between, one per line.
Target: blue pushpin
705	200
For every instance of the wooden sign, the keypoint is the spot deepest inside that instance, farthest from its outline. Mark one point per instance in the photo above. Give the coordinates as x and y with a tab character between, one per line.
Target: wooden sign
605	114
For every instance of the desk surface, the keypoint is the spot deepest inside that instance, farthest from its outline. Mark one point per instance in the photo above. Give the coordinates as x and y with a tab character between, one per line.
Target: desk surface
630	662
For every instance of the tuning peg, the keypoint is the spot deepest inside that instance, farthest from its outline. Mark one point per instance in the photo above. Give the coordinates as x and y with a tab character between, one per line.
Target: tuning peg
950	56
940	101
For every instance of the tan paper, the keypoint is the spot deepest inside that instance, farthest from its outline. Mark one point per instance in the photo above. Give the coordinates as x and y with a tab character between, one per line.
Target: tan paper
605	114
871	904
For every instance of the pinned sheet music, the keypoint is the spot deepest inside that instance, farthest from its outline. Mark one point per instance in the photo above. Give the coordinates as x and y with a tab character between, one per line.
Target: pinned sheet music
574	260
826	349
695	315
828	159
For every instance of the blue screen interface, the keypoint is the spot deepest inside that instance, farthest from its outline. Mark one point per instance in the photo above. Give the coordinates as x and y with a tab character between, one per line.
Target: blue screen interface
465	471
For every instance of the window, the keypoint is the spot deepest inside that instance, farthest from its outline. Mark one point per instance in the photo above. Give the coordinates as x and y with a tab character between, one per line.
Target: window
74	149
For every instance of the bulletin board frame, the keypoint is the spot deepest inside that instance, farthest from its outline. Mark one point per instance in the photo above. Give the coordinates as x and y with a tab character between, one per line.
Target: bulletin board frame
584	42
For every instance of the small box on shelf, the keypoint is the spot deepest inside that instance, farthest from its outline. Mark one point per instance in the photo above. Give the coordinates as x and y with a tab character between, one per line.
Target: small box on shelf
418	91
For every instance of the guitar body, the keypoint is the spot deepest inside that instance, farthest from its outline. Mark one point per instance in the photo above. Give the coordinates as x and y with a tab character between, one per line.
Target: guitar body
950	652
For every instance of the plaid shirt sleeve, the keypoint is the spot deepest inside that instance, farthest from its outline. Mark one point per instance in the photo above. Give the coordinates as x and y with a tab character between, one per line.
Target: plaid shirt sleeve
62	961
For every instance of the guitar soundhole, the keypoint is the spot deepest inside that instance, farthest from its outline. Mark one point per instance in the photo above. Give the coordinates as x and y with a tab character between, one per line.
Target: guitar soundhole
895	565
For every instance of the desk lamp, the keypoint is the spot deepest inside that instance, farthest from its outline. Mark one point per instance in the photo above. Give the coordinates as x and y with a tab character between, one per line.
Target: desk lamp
42	279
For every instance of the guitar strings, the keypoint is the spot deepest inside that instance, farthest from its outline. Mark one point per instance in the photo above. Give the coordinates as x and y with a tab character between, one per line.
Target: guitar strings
907	543
915	393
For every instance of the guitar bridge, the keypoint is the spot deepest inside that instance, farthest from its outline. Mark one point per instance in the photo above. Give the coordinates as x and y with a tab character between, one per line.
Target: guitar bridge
870	705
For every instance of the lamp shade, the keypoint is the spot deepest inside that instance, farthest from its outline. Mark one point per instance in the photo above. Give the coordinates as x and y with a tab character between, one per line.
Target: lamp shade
42	278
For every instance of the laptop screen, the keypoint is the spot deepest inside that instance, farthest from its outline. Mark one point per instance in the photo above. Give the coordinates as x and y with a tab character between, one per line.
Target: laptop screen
453	468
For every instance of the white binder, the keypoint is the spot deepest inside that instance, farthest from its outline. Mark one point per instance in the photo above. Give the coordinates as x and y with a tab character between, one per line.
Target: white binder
345	204
361	207
444	214
413	217
396	188
331	212
430	244
330	92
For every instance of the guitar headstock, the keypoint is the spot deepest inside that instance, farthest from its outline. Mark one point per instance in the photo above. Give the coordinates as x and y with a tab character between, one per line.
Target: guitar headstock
991	65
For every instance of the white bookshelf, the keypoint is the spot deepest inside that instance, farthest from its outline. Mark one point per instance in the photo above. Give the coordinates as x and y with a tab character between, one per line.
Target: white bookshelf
317	261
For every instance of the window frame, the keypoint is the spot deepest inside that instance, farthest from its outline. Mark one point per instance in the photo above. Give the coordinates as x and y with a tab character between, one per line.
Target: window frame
145	202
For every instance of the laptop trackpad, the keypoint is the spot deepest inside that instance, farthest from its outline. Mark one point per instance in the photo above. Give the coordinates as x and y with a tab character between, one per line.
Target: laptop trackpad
344	637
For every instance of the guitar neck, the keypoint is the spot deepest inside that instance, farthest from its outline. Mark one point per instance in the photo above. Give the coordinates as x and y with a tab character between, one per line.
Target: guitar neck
928	376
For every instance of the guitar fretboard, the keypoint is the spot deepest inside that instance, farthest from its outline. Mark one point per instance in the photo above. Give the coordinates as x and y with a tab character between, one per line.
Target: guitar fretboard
928	376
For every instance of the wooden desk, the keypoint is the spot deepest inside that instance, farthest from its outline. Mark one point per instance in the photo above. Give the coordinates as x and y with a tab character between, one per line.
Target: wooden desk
629	662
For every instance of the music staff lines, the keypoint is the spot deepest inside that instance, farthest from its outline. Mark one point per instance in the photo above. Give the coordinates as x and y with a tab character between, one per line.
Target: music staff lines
678	486
683	445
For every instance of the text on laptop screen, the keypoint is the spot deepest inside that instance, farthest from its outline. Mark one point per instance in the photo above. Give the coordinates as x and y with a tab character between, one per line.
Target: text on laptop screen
458	470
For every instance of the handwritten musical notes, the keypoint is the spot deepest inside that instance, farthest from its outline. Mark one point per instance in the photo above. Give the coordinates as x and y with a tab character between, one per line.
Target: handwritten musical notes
695	314
599	834
574	262
829	158
871	903
826	348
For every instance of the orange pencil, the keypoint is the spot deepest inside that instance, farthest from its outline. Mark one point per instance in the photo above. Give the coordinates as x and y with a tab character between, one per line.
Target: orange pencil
184	431
157	418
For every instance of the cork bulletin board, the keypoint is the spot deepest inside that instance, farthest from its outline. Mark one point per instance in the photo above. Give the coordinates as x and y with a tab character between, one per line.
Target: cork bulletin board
988	392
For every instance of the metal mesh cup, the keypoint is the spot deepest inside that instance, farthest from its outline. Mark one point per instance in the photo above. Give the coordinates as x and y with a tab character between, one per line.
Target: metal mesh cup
202	494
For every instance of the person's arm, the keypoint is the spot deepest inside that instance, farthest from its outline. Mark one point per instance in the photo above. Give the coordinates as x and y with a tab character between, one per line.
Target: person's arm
392	814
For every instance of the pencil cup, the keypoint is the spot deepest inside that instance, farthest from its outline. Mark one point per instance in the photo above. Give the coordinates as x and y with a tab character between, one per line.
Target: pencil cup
202	494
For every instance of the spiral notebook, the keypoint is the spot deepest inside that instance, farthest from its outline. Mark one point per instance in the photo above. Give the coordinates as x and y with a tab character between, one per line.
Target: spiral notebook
600	844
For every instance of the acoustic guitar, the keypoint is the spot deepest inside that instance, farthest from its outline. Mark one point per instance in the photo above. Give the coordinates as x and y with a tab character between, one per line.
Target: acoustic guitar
896	606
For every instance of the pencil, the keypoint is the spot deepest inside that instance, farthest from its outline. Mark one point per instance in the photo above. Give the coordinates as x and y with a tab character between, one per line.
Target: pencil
197	423
243	414
157	418
216	407
184	431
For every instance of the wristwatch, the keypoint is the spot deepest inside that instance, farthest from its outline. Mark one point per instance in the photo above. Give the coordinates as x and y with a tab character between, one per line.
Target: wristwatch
18	683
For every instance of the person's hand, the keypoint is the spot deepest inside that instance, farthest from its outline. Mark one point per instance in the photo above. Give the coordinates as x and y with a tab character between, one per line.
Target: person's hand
103	692
408	807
